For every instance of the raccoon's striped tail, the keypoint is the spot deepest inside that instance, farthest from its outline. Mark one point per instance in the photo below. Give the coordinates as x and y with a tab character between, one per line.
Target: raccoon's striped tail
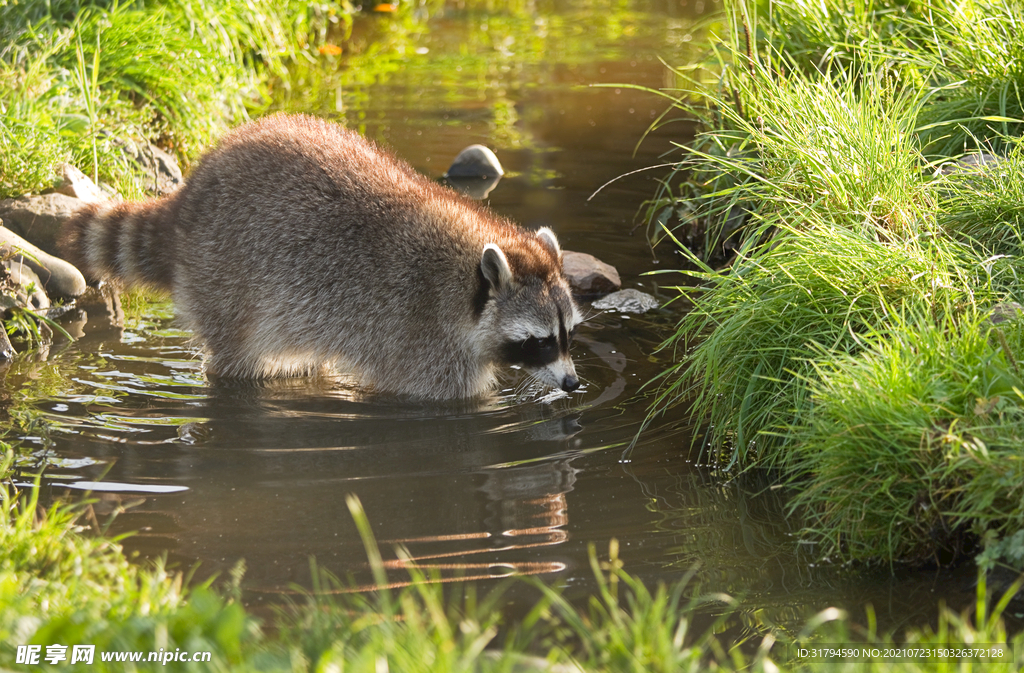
130	242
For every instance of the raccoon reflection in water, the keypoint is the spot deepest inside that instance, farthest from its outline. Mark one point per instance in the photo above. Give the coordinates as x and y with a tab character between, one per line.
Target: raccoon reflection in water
297	245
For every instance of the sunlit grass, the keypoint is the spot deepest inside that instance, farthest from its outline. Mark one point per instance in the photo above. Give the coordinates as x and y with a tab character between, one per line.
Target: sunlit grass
78	79
834	179
848	345
967	56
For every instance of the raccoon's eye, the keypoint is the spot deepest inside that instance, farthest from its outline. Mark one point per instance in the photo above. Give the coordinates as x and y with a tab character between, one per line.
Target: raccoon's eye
541	347
537	350
532	352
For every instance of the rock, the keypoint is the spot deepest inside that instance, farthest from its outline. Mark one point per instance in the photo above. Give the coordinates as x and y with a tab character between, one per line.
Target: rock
975	162
37	219
476	161
627	301
588	275
77	184
161	169
28	289
1005	312
7	351
60	279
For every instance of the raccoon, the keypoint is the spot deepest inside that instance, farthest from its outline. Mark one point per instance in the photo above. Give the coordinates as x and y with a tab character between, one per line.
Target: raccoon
297	245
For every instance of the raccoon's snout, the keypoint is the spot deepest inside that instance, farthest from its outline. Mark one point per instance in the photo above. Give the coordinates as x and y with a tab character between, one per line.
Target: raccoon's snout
562	374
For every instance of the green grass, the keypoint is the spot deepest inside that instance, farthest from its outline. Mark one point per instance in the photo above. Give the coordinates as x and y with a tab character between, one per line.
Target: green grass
834	177
78	78
977	73
984	208
968	57
847	345
915	443
752	341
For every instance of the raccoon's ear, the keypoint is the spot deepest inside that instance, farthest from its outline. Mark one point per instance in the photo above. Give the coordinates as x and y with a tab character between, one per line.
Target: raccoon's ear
494	266
547	237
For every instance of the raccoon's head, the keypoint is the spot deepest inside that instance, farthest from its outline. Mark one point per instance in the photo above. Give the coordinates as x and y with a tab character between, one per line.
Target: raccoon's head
529	314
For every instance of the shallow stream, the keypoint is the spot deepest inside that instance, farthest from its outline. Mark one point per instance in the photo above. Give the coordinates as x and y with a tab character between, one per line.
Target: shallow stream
520	484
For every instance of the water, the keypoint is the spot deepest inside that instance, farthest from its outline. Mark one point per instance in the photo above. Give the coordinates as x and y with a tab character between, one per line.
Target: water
520	484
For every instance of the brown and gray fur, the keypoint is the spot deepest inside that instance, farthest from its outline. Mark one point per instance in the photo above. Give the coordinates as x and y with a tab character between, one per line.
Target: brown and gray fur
297	245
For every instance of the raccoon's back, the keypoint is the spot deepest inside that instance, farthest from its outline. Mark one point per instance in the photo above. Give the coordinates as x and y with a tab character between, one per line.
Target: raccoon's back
293	201
289	195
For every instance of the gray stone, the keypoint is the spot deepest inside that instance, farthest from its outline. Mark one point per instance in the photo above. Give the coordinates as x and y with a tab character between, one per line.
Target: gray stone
163	175
588	275
37	219
28	289
975	162
476	161
77	184
60	279
7	351
1005	312
627	301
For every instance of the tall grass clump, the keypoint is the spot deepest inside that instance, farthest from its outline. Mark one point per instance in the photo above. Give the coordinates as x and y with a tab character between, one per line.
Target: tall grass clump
975	58
824	34
982	204
968	55
752	341
848	344
915	442
75	88
832	176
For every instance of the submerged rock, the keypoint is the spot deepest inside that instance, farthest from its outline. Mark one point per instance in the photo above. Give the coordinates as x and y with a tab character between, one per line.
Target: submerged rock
474	172
476	161
627	301
60	279
588	275
475	188
37	219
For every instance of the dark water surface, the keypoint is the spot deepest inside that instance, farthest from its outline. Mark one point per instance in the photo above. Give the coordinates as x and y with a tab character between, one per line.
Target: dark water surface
517	485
